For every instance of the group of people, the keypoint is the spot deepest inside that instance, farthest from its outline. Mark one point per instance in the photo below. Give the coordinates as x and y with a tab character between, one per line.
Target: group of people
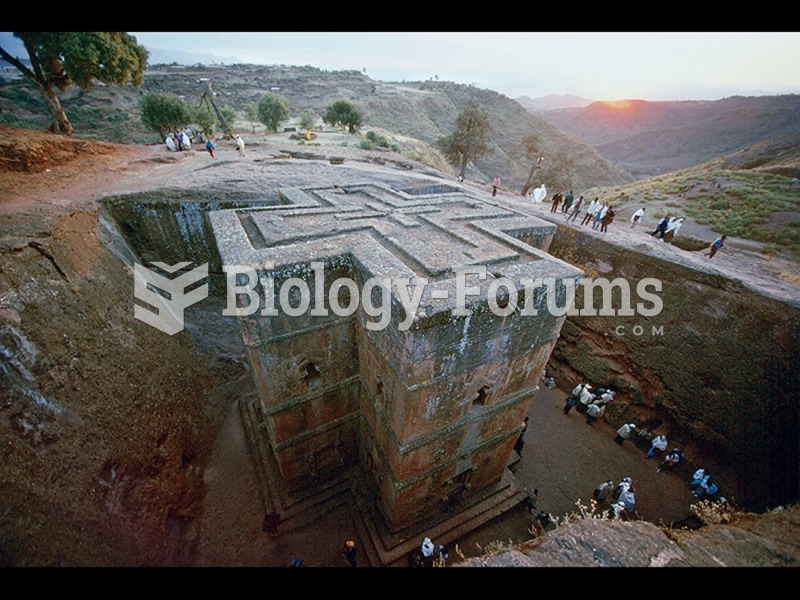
656	446
592	404
178	141
596	213
702	486
182	140
623	496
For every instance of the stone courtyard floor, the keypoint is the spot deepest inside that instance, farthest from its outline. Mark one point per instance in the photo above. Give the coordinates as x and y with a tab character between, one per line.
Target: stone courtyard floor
564	458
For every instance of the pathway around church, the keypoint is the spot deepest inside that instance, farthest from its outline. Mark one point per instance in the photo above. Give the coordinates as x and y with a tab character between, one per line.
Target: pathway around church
564	458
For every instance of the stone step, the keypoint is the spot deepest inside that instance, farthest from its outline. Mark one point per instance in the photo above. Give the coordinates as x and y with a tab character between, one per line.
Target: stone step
298	511
392	549
379	545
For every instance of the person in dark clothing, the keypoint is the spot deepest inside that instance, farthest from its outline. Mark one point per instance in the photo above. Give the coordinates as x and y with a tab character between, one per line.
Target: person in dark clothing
718	243
271	523
567	202
349	551
556	202
607	219
520	444
661	228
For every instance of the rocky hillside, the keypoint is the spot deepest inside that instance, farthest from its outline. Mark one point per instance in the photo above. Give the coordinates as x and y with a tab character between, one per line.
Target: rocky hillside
728	540
650	138
423	111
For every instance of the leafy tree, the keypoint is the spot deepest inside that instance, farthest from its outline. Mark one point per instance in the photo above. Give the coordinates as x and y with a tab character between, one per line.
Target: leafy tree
163	112
205	118
531	151
251	114
470	140
62	58
229	114
552	169
272	111
343	114
557	170
307	119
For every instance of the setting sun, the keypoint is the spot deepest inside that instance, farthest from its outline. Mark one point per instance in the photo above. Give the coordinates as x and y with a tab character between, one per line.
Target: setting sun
618	104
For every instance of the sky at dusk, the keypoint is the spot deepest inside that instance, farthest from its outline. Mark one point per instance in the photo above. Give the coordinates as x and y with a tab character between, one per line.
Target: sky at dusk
593	65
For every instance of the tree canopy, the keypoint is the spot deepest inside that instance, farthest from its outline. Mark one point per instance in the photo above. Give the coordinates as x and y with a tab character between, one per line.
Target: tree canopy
554	169
163	112
63	58
470	140
343	114
272	111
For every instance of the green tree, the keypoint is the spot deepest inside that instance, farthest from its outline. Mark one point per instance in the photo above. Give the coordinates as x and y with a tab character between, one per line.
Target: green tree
205	118
272	111
553	169
307	119
163	112
62	58
531	151
229	113
470	140
557	170
343	114
251	114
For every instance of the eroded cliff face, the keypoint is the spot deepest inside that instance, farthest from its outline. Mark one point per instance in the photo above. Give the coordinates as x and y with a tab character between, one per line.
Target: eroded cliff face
717	366
105	421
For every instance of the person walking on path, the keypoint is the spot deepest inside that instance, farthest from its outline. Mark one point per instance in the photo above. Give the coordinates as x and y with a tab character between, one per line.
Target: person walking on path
567	202
607	219
495	185
349	551
590	211
624	432
576	209
240	145
599	214
661	227
637	216
210	147
556	202
519	444
672	230
715	246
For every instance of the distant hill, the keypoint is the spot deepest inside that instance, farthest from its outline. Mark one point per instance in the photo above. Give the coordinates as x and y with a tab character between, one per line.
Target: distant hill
160	56
651	138
553	102
421	110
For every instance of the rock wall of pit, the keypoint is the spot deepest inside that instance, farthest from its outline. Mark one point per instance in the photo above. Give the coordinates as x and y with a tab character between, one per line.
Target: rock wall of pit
718	367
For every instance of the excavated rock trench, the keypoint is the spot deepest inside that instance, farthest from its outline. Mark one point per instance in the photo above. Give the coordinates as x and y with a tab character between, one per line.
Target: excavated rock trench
141	432
685	372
